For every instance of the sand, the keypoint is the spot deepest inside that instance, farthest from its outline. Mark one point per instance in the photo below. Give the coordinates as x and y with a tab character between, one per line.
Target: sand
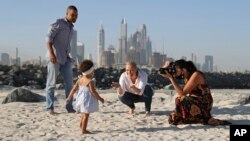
29	121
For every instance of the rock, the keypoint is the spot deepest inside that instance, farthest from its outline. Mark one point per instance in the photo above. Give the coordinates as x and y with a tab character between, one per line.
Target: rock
14	70
245	101
6	87
35	86
103	80
1	72
162	99
11	82
59	86
38	75
22	95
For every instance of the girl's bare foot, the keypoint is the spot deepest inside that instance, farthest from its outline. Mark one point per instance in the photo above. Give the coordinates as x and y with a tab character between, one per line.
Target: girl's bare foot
86	132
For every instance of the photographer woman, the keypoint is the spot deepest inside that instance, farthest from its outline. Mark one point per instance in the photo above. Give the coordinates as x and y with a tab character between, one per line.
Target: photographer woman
194	101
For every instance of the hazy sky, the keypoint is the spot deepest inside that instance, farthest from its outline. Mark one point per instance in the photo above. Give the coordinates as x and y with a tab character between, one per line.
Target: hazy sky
204	27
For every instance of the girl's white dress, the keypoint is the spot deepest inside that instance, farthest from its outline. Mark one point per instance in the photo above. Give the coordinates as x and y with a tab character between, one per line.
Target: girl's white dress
85	101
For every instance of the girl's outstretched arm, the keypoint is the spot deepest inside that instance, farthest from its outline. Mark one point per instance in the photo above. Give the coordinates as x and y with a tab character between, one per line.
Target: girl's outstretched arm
72	92
94	92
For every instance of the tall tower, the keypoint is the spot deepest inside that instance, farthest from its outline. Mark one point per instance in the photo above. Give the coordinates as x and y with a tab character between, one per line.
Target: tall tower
5	59
74	45
149	51
80	51
16	56
144	35
143	48
209	63
90	57
123	42
193	58
101	44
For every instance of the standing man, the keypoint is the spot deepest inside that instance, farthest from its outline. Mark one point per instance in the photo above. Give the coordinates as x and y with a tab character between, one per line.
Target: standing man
58	43
133	87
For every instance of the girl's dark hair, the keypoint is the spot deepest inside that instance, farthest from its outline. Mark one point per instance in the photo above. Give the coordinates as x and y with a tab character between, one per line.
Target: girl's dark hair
86	65
189	65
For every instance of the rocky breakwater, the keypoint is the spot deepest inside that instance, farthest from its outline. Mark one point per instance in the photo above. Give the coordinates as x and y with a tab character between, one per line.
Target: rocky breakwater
34	77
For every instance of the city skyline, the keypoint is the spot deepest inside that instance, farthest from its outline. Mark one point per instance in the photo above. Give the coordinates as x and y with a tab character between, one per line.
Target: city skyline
217	28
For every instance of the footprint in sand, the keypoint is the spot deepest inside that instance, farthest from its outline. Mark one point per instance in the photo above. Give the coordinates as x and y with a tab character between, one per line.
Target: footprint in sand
19	125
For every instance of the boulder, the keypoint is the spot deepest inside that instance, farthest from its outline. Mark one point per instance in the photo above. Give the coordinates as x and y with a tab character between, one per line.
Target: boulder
23	95
60	86
245	101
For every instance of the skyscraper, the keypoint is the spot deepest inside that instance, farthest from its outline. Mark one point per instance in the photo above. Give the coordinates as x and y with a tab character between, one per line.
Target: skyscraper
107	59
193	58
101	45
5	57
158	59
123	42
15	61
73	44
142	45
209	63
80	51
90	57
133	55
149	51
143	49
113	50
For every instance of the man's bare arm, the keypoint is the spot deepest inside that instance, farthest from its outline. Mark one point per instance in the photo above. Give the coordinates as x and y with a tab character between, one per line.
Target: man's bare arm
52	55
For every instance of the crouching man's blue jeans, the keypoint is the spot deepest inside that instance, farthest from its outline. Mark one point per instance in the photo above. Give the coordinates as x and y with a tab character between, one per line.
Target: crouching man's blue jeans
129	98
53	71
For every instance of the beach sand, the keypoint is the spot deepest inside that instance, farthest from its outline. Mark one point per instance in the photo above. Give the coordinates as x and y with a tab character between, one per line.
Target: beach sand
29	121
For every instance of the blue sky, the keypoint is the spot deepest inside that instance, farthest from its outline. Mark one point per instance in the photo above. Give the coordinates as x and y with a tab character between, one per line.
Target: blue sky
204	27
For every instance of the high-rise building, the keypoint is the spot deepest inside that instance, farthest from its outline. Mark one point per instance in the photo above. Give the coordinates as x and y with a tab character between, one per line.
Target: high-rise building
73	45
123	42
5	57
107	59
198	66
101	45
148	51
115	52
142	44
90	57
133	55
134	41
184	57
80	52
193	58
158	59
209	63
215	69
16	61
143	49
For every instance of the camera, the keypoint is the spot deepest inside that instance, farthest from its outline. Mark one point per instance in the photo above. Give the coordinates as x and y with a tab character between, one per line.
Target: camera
170	69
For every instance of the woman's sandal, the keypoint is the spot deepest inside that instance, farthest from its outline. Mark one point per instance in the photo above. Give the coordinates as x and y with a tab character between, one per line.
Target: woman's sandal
215	122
